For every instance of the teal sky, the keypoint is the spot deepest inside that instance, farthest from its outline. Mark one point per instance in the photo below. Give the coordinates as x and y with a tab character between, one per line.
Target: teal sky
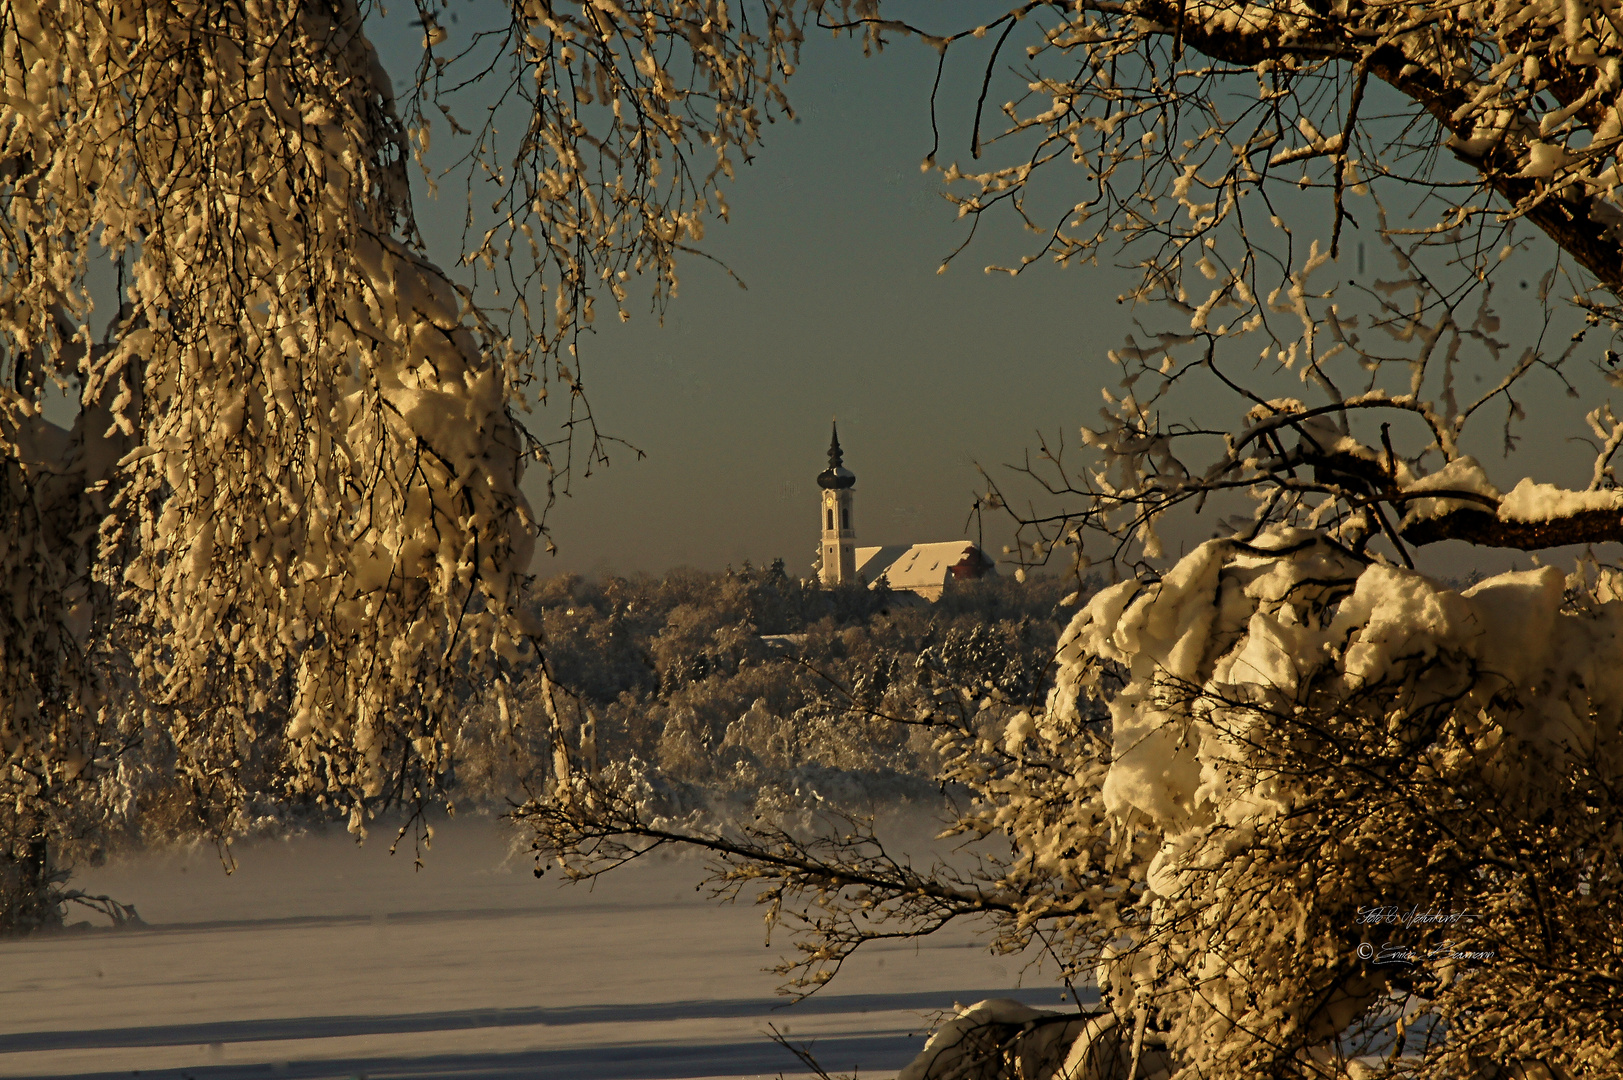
838	235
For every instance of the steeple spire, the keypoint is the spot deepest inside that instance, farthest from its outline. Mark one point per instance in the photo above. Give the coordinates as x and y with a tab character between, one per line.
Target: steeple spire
836	476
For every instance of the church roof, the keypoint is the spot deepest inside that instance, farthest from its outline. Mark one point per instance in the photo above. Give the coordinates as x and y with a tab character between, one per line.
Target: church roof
924	568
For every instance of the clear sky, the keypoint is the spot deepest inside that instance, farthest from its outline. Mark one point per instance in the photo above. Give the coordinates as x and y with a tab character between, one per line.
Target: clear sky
838	234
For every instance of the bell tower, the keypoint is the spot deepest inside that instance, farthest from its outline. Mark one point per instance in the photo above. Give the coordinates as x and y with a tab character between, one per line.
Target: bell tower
839	531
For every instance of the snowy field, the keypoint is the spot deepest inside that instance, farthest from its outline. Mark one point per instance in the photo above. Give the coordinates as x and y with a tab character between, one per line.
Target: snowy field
318	959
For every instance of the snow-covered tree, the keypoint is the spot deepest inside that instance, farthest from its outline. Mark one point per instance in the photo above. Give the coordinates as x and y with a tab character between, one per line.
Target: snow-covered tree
1297	808
288	507
286	524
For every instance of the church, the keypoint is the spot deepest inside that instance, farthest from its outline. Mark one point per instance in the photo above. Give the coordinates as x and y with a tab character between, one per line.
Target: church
925	570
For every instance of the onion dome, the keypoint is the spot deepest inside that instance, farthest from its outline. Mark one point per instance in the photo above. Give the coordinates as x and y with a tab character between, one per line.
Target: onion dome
836	476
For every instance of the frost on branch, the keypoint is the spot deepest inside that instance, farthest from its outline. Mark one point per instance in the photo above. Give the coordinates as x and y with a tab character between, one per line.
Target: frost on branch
1377	449
1175	113
635	116
287	520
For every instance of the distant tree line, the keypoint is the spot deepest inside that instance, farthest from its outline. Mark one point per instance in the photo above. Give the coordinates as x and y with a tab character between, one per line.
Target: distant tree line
726	680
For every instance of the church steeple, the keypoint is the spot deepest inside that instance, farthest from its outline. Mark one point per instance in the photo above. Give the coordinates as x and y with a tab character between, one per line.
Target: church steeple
839	550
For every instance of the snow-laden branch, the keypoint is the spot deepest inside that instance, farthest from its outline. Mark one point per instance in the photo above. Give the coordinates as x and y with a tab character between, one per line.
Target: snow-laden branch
287	524
1302	738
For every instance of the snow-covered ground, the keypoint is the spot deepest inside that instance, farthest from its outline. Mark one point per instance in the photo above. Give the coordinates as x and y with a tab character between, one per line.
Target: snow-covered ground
319	959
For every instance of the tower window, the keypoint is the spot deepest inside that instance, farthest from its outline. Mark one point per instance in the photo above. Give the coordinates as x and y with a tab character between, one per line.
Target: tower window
845	517
830	525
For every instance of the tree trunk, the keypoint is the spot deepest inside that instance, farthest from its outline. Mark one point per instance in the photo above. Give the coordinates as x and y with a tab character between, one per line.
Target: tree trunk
26	902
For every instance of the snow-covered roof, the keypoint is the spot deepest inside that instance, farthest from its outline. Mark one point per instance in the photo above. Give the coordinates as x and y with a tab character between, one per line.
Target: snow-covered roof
922	568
